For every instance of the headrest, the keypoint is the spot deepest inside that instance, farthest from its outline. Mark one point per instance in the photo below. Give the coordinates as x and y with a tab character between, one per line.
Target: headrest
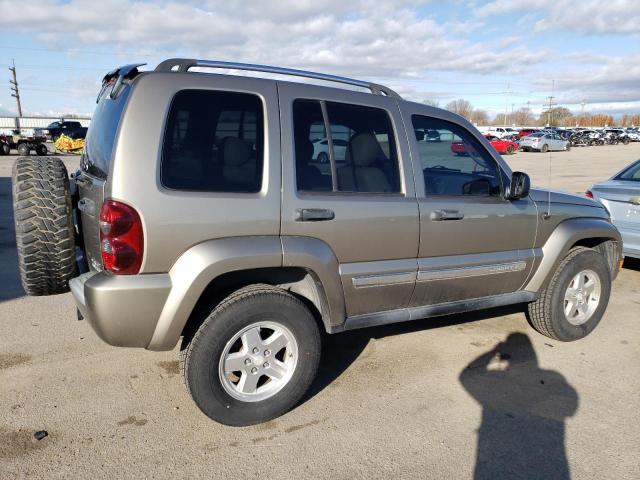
364	149
235	152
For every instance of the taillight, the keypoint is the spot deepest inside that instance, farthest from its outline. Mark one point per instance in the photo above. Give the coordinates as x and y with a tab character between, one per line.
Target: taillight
588	194
121	238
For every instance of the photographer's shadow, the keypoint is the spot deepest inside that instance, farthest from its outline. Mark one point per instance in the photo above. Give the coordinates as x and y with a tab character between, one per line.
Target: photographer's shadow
523	413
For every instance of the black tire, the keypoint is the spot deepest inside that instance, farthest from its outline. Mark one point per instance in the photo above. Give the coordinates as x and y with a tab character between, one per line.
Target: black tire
201	354
44	225
568	147
510	150
323	158
24	149
625	141
544	148
5	149
41	149
546	315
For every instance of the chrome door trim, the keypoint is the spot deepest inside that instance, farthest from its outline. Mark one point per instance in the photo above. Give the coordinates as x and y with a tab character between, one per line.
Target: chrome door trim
475	271
385	279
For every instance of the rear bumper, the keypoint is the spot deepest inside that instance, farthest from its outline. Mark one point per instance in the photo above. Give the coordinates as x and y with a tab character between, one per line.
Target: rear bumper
122	309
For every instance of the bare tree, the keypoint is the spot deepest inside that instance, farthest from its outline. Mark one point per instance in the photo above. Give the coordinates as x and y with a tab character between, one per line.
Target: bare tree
479	117
522	117
461	107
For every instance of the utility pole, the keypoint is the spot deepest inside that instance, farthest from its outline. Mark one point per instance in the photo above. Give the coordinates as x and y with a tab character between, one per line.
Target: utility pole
506	104
551	104
14	89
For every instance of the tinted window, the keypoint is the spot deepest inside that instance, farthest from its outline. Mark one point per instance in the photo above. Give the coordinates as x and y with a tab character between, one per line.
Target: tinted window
313	170
631	173
364	150
213	142
458	164
102	134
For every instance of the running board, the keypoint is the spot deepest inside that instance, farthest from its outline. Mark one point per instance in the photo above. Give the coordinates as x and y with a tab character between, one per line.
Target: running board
427	311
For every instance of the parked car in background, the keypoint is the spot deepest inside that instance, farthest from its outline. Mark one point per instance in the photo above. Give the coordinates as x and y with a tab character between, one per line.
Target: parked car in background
55	129
501	131
502	145
621	197
544	142
526	131
321	149
633	134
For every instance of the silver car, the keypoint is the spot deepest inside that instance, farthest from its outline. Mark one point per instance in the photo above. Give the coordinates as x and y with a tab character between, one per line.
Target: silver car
621	196
543	142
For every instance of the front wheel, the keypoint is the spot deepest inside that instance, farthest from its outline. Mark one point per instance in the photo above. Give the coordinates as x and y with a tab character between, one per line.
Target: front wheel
253	358
576	298
510	150
24	149
544	148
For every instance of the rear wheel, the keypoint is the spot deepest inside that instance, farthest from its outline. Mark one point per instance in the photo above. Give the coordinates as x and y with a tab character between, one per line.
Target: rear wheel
24	149
44	226
253	358
576	298
41	149
323	158
5	149
544	148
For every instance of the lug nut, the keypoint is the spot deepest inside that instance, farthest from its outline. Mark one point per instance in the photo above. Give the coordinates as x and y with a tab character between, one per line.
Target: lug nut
267	353
266	365
255	350
247	361
254	370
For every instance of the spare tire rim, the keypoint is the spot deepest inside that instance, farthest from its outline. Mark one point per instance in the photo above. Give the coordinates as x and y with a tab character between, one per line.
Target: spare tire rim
582	297
258	361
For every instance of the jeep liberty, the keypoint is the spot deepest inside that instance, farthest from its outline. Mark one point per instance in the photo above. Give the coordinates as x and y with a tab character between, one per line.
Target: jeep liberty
205	210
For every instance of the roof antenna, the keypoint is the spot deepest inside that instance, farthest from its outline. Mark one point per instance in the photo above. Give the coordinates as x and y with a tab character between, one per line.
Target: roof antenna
549	120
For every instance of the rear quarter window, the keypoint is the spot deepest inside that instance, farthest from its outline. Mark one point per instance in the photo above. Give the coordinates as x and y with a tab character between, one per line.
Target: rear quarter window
101	135
214	142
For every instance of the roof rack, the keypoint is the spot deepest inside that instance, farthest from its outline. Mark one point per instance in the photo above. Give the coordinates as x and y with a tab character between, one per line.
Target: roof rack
184	64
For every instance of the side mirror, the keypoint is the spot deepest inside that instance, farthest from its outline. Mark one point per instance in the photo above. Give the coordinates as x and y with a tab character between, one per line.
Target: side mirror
519	186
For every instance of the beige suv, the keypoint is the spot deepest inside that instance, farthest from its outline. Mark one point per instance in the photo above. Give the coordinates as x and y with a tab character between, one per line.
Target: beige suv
247	215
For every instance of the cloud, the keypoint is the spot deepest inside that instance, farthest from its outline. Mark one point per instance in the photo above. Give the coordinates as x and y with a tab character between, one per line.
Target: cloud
352	38
588	17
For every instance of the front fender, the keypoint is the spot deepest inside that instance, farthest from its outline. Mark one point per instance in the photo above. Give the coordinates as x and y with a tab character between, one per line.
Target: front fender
562	239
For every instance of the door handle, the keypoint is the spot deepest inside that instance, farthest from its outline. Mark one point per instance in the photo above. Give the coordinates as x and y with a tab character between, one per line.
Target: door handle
314	215
440	215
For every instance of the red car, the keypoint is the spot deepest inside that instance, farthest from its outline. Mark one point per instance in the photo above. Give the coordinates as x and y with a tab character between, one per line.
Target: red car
502	146
526	131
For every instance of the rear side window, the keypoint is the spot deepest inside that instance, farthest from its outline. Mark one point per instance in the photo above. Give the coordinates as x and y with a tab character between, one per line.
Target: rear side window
214	142
357	154
101	135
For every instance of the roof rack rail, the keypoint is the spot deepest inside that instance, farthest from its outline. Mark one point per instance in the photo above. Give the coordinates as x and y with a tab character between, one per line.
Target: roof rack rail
184	64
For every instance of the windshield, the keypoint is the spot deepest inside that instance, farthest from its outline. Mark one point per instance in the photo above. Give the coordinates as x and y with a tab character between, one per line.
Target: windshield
632	173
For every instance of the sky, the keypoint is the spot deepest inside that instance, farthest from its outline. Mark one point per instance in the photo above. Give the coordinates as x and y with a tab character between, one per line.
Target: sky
498	54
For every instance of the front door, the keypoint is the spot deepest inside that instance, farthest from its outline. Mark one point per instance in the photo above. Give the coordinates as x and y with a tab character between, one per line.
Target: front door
348	182
473	242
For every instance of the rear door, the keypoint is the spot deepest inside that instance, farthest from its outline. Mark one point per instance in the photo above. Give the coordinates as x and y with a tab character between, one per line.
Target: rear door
473	242
94	170
362	203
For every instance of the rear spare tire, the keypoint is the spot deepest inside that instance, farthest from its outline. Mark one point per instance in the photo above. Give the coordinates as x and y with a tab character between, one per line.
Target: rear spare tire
44	225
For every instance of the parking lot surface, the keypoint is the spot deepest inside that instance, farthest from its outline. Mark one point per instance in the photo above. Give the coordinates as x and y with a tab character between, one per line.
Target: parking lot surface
437	398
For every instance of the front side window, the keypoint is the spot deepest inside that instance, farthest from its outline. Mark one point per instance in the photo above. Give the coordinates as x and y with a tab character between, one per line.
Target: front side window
359	147
214	142
457	164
